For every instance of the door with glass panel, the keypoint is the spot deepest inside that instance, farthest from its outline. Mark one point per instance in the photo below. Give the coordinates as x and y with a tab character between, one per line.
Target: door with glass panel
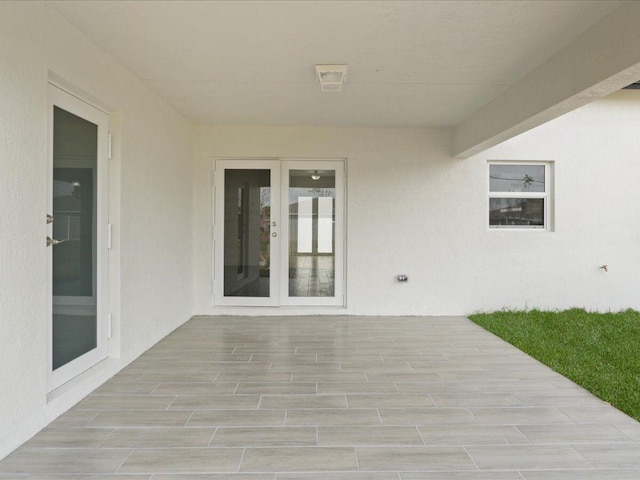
278	229
76	236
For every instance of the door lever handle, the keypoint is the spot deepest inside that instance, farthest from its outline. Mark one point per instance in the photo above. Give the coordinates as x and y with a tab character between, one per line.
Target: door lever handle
53	241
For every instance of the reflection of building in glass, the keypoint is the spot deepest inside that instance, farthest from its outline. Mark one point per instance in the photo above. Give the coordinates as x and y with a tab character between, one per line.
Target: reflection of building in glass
516	212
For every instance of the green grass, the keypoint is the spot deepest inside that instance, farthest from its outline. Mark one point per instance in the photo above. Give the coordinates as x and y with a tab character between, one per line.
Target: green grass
599	351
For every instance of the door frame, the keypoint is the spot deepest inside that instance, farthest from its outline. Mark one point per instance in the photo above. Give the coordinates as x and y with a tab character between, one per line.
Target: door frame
73	104
279	286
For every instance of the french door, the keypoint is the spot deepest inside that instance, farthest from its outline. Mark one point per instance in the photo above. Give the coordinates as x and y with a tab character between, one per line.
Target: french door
76	236
278	232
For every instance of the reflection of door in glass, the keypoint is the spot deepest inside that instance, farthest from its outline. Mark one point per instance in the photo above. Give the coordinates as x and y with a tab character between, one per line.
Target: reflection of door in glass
77	335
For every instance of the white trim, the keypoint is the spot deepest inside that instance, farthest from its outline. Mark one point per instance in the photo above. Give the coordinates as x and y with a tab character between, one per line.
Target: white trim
72	103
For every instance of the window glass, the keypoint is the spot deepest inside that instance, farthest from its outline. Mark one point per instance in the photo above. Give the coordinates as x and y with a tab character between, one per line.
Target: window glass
516	178
516	212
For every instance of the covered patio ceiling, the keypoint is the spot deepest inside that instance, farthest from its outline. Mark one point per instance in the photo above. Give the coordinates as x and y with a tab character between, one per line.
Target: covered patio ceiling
488	69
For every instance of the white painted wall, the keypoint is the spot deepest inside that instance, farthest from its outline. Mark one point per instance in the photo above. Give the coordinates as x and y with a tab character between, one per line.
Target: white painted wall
151	186
412	209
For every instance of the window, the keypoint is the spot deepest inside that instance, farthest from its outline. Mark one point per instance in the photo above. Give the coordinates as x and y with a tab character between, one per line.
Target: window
519	195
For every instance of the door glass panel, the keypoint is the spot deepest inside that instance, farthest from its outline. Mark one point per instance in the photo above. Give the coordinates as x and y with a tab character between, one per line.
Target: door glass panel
75	143
311	233
247	232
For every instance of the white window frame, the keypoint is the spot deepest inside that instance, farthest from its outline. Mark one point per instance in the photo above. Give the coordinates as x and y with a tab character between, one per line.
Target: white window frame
546	196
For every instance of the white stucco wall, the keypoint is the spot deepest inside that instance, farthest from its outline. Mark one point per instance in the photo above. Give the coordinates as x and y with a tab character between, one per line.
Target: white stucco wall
151	194
412	209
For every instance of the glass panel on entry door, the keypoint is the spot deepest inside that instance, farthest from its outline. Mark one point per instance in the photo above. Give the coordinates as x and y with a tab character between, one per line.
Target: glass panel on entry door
247	225
75	143
311	233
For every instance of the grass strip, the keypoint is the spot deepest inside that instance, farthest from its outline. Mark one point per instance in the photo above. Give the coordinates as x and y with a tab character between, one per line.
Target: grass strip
598	351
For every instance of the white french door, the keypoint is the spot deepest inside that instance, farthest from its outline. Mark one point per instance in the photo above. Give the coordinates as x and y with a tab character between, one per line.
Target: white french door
76	236
278	232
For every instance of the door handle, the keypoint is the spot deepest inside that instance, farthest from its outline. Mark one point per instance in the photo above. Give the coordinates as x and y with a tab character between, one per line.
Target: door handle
274	234
53	241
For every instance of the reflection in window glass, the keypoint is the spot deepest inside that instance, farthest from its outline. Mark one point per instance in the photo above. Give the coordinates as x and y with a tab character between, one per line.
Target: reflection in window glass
311	233
516	212
247	241
516	178
75	163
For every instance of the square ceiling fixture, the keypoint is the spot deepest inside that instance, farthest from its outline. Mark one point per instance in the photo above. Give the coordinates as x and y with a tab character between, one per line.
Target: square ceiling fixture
331	77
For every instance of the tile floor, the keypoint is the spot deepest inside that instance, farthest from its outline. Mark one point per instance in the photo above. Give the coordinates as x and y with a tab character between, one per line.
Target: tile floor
334	398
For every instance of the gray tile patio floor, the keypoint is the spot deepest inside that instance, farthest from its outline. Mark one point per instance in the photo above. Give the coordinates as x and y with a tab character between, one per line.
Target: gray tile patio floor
359	398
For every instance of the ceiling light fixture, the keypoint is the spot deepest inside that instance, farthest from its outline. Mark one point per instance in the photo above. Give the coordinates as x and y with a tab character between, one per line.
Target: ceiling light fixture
331	77
315	175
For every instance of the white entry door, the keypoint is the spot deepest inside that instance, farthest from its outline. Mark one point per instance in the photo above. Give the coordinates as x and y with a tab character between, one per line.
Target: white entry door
76	236
278	233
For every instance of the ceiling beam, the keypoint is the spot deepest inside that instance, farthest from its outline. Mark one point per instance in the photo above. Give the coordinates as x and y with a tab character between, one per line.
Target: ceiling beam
604	59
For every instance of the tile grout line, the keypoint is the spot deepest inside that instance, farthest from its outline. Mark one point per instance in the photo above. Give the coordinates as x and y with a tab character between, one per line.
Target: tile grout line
186	424
168	408
107	438
244	450
420	435
212	436
471	458
125	460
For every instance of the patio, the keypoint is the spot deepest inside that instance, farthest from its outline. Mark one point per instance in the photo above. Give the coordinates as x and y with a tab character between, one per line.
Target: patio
371	398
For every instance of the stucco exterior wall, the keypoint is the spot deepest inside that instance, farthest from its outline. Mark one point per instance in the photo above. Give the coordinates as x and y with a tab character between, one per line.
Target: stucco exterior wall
412	209
150	185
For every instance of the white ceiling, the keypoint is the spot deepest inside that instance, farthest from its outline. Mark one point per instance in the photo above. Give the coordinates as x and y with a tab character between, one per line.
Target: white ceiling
411	63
